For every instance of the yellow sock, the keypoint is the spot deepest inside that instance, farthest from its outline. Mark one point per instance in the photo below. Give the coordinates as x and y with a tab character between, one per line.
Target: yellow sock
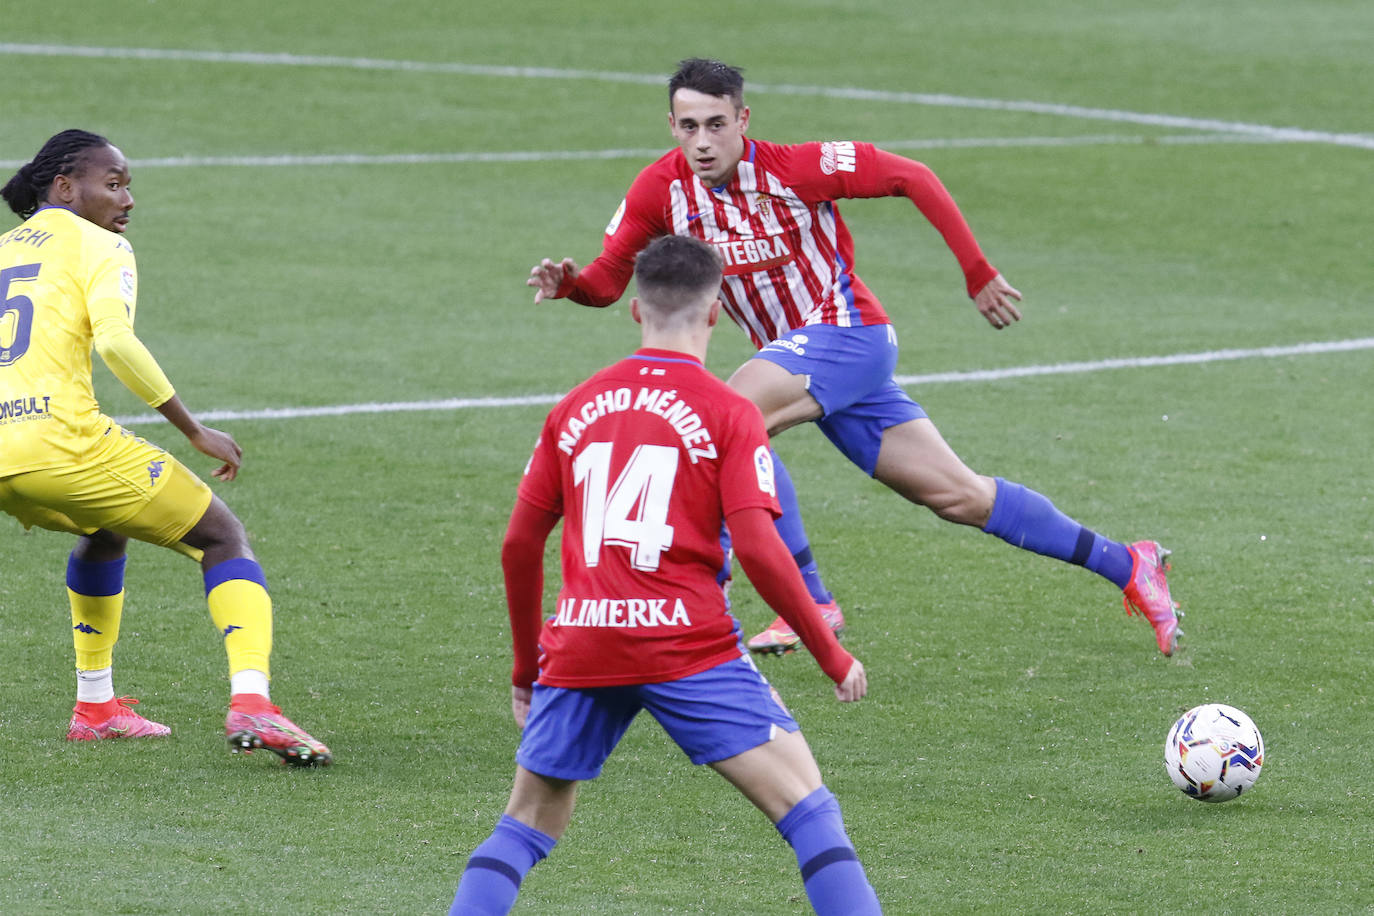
242	610
96	594
95	628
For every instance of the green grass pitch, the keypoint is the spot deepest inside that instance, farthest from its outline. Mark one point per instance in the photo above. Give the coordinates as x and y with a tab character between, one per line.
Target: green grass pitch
1009	756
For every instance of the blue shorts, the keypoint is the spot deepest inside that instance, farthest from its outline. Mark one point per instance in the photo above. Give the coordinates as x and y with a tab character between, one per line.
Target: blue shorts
849	373
718	713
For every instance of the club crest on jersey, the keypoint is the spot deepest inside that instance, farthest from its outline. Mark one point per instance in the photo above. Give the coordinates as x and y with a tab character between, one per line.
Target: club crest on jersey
763	468
744	256
838	156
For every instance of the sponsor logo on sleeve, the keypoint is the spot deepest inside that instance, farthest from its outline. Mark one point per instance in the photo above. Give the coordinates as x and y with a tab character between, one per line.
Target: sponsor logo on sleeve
614	224
763	468
838	156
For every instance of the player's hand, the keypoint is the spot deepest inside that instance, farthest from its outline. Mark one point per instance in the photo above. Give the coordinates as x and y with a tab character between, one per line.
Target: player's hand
854	685
994	302
520	704
546	277
219	445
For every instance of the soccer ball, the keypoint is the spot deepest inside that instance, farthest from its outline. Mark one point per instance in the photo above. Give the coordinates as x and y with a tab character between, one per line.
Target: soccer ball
1214	752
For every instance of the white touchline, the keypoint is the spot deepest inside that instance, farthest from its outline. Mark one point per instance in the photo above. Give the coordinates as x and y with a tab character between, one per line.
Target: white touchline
288	160
1288	134
1141	362
976	375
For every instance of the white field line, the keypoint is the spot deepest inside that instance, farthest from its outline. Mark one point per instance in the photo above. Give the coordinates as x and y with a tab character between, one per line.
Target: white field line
347	159
1232	131
1283	134
977	375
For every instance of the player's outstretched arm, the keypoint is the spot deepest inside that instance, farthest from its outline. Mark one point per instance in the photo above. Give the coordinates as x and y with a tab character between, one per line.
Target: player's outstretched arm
994	302
770	568
213	442
546	277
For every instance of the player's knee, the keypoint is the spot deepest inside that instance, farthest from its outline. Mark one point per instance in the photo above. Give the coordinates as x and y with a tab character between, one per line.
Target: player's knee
965	502
100	546
229	534
219	530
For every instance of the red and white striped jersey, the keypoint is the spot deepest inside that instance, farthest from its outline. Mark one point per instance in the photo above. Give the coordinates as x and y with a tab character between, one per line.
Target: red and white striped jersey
788	257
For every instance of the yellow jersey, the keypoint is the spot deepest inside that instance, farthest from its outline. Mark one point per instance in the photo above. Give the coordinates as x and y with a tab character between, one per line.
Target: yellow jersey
65	285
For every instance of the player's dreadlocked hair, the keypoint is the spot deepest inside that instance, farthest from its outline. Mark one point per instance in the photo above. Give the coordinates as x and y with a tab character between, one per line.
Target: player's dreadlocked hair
61	155
709	77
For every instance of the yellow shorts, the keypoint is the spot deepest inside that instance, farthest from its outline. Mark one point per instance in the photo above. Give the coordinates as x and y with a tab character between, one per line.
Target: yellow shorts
131	487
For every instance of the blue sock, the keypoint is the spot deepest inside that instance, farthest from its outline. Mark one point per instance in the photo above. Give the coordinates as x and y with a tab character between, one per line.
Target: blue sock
793	533
1023	518
97	579
835	881
494	871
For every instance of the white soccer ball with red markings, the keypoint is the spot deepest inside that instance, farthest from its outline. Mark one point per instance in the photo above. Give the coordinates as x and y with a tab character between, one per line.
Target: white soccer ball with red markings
1214	752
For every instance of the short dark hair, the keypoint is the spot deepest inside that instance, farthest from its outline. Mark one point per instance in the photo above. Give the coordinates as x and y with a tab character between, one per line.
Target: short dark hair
709	77
676	272
63	154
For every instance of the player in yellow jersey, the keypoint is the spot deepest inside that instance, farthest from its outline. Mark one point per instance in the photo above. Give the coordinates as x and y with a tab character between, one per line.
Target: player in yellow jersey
68	282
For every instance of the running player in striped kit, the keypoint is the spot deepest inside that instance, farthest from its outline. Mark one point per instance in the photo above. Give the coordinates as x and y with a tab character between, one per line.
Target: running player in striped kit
827	350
